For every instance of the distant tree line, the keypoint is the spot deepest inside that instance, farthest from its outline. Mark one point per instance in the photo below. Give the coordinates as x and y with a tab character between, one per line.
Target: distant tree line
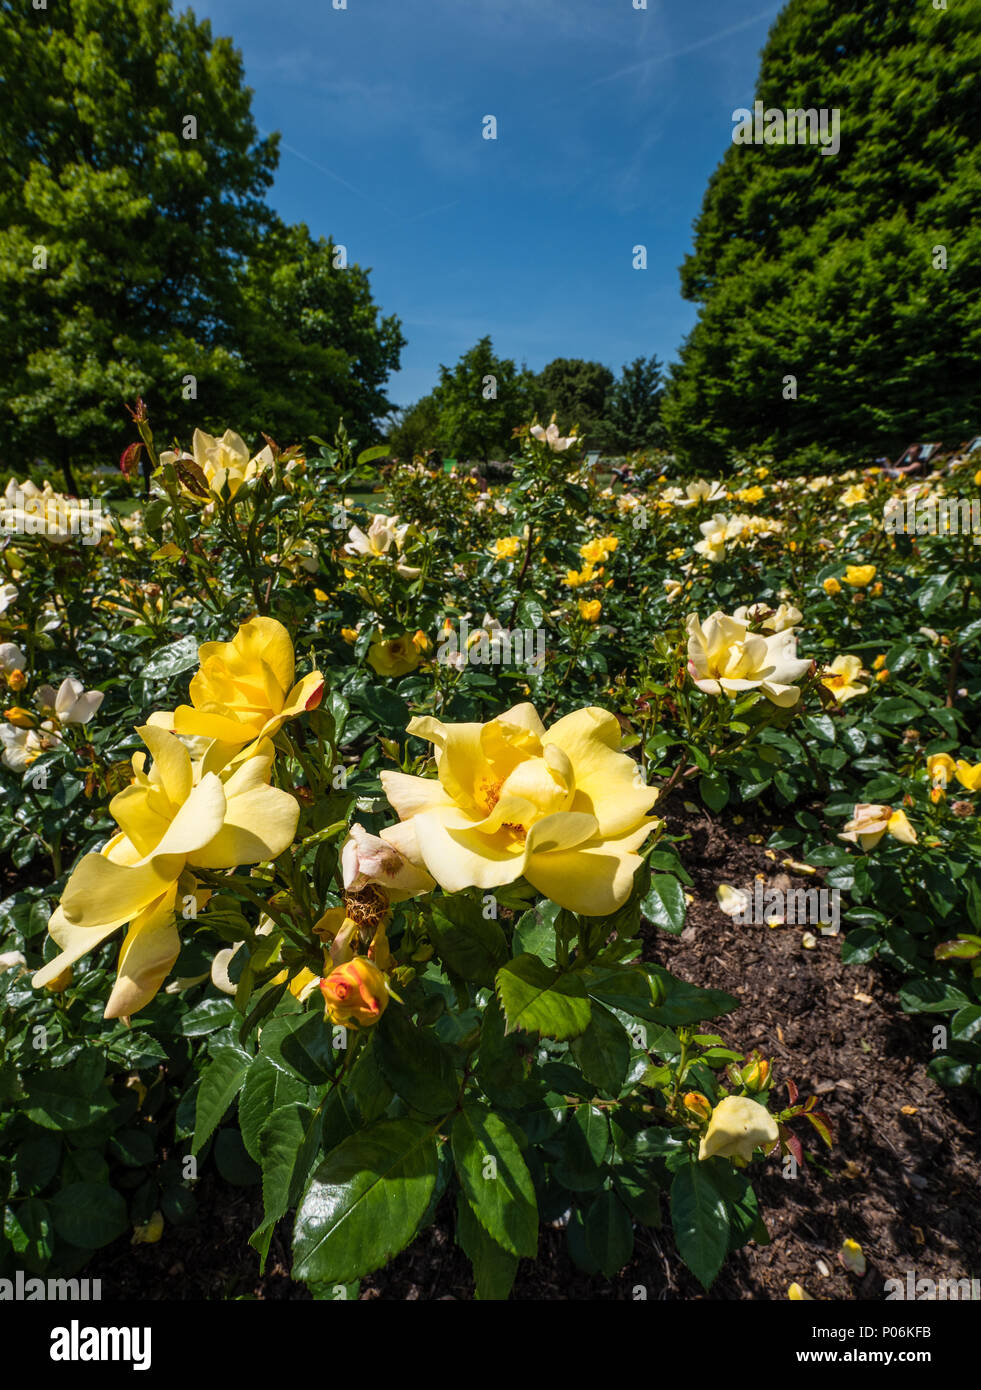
475	407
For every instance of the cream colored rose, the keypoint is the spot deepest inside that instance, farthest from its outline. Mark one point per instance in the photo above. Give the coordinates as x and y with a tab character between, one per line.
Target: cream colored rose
737	1127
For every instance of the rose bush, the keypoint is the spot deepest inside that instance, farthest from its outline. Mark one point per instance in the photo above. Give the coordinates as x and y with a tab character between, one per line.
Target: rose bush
404	810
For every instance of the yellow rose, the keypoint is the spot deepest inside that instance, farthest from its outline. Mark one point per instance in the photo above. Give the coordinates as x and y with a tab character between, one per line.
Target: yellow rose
394	656
227	460
725	658
350	635
562	806
244	689
841	678
574	579
596	552
859	576
870	822
968	776
506	548
831	586
853	496
590	609
737	1127
355	994
179	816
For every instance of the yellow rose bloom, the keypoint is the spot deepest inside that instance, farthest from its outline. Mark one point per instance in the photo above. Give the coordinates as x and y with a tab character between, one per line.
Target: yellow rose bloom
737	1127
506	548
394	656
574	579
870	822
596	552
831	586
725	658
853	496
244	688
179	816
841	678
859	576
561	807
590	609
218	461
968	776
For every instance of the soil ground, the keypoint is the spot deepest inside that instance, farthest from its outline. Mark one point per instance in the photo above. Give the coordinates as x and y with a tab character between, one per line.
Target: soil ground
902	1178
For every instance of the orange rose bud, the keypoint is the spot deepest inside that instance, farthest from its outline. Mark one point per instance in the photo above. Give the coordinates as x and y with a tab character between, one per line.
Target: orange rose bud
20	718
698	1105
355	994
16	680
755	1074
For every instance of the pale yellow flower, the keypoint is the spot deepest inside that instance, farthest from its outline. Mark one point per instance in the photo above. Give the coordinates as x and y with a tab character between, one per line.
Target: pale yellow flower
841	678
562	807
737	1127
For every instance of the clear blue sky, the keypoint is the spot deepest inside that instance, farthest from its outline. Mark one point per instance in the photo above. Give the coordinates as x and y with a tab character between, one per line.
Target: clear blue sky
610	120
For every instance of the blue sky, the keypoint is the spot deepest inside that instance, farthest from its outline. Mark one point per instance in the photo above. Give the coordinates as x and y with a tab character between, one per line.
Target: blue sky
610	120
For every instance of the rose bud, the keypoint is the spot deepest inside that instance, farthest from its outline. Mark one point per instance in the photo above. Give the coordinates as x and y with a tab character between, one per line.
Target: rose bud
355	994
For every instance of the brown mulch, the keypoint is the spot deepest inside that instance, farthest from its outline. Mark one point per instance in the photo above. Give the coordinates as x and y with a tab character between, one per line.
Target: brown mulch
902	1179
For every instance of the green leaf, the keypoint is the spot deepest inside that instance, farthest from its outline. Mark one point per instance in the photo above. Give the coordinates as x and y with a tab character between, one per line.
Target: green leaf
609	1233
172	660
377	451
28	1227
365	1201
542	1000
287	1146
494	1267
221	1082
268	1086
685	1003
469	944
586	1139
534	933
700	1220
71	1097
664	905
303	1043
495	1178
603	1051
927	996
965	1026
417	1066
714	791
860	946
89	1214
621	987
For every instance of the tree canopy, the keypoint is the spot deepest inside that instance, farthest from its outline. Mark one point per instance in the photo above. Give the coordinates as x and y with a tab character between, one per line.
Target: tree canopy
138	255
857	274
